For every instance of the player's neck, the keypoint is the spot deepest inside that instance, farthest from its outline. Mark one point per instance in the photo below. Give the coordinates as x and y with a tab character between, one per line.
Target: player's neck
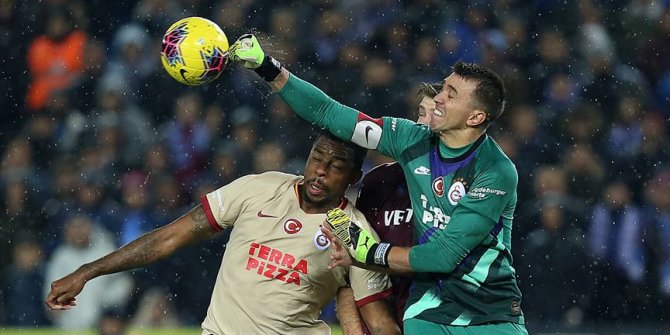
459	138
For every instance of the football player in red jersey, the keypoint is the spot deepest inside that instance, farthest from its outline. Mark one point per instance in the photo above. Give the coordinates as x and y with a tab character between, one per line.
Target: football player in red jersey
384	201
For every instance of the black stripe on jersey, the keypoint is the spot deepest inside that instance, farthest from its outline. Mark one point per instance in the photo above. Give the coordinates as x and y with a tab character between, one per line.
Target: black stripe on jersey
474	147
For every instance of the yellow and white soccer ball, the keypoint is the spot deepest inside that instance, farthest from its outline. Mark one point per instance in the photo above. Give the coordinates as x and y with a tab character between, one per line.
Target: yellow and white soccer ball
194	51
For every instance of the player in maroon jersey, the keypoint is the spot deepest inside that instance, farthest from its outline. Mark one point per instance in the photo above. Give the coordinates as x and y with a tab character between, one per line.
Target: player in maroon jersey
384	201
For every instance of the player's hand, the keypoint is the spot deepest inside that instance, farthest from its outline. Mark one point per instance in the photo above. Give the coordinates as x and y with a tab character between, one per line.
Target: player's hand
359	242
63	291
340	255
247	51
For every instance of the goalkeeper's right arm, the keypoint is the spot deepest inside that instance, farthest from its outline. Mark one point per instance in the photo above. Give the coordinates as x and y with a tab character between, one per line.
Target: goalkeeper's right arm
305	99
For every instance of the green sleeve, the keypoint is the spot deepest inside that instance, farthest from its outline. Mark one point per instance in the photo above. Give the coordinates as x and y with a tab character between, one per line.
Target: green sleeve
390	136
317	108
493	193
447	248
489	200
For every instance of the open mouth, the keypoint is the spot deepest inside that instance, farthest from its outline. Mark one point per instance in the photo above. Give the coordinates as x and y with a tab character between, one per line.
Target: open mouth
315	189
437	112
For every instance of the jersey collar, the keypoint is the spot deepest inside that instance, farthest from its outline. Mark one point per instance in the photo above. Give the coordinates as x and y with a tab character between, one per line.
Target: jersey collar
435	150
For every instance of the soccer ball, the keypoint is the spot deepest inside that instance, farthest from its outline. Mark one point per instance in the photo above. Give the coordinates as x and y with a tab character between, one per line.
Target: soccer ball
194	51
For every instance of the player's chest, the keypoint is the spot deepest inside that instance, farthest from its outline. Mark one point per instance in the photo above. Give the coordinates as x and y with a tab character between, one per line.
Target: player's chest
282	243
436	188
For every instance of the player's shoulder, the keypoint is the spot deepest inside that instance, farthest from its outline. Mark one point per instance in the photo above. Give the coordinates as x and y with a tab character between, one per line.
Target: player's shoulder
355	214
381	181
276	176
497	160
404	125
270	180
383	171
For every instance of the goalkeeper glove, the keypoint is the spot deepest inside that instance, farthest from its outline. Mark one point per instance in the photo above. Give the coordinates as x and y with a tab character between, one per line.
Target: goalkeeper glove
362	245
247	51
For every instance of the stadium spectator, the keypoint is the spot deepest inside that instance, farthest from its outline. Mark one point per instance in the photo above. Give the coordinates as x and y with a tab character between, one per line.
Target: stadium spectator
658	213
83	241
24	278
586	173
187	138
555	265
269	157
128	126
129	46
135	219
55	59
617	239
21	216
113	321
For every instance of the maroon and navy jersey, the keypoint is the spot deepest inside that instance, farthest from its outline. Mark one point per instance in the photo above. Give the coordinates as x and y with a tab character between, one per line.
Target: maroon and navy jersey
384	201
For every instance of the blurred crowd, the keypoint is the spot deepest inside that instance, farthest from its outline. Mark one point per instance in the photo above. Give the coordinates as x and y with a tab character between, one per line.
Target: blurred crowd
99	145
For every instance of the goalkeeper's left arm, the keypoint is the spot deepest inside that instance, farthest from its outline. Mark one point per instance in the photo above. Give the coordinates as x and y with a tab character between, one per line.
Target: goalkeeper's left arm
357	246
441	254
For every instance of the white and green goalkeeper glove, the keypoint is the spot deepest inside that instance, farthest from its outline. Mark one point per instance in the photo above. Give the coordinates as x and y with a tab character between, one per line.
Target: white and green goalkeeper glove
362	245
247	51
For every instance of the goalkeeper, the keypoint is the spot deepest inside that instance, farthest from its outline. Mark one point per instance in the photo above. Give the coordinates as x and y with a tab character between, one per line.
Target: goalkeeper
463	192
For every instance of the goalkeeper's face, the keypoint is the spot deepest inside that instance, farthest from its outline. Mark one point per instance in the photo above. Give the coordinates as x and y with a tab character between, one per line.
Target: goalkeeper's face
454	106
330	169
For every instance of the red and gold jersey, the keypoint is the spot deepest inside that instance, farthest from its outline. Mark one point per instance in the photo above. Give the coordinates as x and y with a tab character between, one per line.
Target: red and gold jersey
274	278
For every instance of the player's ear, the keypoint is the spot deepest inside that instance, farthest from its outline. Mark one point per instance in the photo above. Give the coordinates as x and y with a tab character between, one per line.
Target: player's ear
476	119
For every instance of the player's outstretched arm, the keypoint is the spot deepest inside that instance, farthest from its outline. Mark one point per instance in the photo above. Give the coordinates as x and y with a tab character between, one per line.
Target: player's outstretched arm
150	247
305	99
248	52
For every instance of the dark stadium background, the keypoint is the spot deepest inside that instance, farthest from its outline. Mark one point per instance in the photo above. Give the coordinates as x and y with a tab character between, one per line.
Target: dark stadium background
117	141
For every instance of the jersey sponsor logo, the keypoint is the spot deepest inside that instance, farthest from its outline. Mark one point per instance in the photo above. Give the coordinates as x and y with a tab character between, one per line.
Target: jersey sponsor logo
261	215
481	192
397	217
321	242
367	240
292	226
438	186
433	215
422	170
376	283
456	192
368	131
394	123
275	264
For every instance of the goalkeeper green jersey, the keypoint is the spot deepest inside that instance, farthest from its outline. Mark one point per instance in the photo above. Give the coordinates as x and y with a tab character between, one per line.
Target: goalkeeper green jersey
463	202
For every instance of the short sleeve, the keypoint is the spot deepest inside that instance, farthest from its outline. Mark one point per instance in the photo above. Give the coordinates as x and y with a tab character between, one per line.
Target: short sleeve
400	134
223	206
368	286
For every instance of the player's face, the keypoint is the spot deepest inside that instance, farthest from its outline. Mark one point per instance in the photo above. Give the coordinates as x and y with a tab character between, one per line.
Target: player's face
453	105
328	172
426	107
